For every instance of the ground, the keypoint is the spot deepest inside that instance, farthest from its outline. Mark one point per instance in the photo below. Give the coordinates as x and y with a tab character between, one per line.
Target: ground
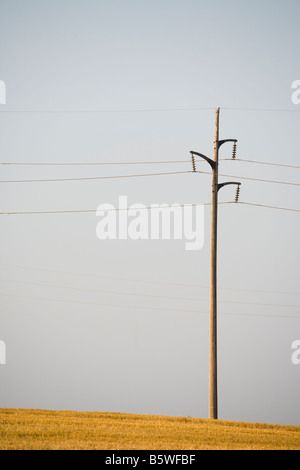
22	429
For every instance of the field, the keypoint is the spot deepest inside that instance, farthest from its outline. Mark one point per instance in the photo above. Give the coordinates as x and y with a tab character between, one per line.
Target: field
66	430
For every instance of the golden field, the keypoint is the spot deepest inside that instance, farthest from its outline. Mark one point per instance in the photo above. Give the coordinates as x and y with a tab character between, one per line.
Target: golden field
22	429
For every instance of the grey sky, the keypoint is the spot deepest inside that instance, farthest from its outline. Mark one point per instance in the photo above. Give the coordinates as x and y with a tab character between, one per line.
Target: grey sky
116	81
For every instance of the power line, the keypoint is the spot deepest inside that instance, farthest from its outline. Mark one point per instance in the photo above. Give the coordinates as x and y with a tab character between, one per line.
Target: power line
90	163
145	110
275	110
165	330
100	276
99	303
249	178
136	175
139	163
93	177
117	209
259	163
269	207
141	175
100	291
82	211
103	111
261	205
145	281
139	307
258	315
259	291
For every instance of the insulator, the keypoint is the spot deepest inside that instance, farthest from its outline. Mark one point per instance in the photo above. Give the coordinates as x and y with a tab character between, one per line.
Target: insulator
193	163
234	151
237	194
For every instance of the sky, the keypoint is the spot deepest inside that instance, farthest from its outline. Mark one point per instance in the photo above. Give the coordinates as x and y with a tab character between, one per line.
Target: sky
122	325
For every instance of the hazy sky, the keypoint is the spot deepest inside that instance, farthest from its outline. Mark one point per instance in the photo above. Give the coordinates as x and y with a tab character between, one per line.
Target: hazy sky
122	325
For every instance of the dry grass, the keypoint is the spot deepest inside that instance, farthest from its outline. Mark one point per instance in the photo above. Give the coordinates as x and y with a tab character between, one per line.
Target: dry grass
67	430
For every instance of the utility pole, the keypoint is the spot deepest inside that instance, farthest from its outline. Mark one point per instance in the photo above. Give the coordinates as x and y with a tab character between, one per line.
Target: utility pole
213	390
213	377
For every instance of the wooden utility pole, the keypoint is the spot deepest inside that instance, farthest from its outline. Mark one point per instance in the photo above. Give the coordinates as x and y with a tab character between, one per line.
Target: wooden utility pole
213	391
213	377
